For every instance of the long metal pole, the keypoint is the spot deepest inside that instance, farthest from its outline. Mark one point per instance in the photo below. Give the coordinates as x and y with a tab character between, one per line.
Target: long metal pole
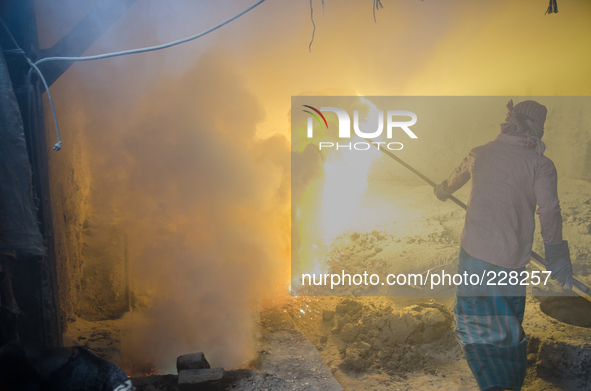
580	288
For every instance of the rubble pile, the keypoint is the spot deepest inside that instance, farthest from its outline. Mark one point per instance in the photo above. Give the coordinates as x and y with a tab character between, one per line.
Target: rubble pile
395	341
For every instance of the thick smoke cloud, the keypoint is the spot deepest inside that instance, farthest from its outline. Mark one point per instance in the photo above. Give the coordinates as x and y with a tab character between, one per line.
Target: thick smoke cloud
204	204
186	150
203	201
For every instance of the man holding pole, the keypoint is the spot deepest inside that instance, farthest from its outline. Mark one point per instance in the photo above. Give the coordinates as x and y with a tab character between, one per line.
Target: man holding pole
510	176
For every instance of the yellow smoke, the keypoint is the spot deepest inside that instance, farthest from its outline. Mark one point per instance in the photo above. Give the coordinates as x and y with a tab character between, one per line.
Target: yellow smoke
186	150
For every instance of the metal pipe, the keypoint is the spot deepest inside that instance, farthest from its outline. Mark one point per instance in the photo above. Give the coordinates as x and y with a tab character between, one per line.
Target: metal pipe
580	288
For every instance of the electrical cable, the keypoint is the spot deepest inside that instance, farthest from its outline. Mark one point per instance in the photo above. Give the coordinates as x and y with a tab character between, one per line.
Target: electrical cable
313	24
34	66
18	50
150	48
57	145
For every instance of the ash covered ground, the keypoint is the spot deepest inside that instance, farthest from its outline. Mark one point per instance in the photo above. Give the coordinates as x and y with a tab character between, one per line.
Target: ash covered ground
403	342
379	343
403	228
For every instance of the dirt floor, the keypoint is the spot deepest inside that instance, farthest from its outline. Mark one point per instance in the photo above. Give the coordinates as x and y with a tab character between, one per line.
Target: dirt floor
398	341
404	229
421	353
426	355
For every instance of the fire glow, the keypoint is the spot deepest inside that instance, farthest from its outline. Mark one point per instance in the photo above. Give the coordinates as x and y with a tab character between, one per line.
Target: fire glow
188	175
330	203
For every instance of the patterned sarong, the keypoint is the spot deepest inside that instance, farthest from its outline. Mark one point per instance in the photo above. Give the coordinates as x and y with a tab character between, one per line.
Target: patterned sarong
489	328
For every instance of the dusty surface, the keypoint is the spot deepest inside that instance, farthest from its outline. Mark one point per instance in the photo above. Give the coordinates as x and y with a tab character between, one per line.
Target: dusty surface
419	351
429	358
401	342
559	355
404	229
288	361
396	228
102	338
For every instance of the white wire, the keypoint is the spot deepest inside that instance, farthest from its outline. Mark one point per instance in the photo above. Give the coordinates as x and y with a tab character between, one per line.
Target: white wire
150	48
33	66
57	145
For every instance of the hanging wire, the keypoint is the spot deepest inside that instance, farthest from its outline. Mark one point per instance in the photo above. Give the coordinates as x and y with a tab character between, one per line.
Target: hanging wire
34	66
57	145
150	48
377	5
314	25
18	50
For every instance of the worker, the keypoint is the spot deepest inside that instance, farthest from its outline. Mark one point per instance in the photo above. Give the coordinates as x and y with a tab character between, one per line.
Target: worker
510	176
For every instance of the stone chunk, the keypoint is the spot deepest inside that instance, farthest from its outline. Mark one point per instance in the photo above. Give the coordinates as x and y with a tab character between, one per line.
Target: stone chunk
364	346
348	306
402	325
191	361
435	325
189	377
354	359
349	332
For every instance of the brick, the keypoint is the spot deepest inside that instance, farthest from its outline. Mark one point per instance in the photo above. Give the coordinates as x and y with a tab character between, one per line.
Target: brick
192	361
189	377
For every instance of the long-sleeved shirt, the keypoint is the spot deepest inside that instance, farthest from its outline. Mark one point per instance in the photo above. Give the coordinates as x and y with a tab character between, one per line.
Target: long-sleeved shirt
508	181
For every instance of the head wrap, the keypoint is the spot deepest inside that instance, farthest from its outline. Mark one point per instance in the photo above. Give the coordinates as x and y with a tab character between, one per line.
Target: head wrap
526	120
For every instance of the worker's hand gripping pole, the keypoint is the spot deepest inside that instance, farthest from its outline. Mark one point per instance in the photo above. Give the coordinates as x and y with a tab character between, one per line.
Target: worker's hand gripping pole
580	288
